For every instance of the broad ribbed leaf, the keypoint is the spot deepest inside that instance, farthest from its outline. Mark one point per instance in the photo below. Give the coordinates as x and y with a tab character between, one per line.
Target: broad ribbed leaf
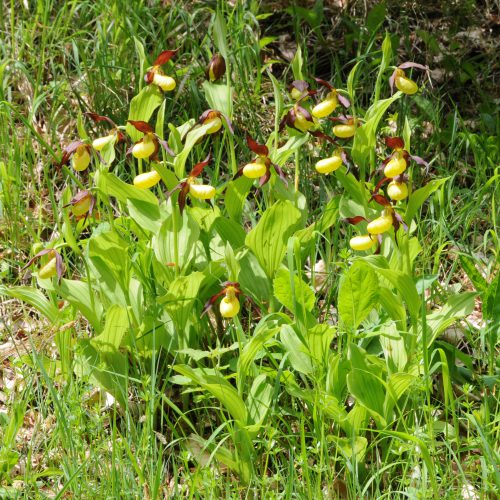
268	239
357	295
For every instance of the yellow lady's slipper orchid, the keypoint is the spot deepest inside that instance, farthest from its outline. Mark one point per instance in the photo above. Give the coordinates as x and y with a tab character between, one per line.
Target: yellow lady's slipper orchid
381	224
396	165
364	242
327	165
256	169
201	191
81	158
397	191
147	180
403	83
101	142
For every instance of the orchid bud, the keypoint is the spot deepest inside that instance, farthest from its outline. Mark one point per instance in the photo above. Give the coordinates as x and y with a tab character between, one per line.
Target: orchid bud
101	142
396	165
397	191
81	158
216	68
201	191
360	243
144	148
166	83
147	180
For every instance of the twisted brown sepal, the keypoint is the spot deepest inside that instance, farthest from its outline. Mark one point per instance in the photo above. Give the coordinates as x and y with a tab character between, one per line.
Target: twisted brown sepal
57	255
164	57
321	135
355	220
259	149
142	126
394	142
198	168
100	118
380	199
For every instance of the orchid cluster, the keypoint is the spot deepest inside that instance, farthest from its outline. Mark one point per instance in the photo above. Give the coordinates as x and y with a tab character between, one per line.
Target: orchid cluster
310	112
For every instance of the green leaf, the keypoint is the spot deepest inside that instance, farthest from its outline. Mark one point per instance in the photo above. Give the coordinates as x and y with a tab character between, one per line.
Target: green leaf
259	400
288	149
34	298
230	232
142	203
358	294
369	392
402	282
375	18
393	346
366	135
181	297
185	232
418	197
491	302
303	294
81	296
479	282
355	447
142	107
190	141
219	31
298	64
298	352
268	239
397	385
456	307
264	331
117	325
109	263
236	195
220	97
218	387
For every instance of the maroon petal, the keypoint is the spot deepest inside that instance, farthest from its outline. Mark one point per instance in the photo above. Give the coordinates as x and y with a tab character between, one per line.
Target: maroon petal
265	178
198	168
100	118
228	123
141	126
280	173
68	151
394	142
380	184
149	77
37	256
211	301
324	83
381	200
355	220
260	149
164	57
322	135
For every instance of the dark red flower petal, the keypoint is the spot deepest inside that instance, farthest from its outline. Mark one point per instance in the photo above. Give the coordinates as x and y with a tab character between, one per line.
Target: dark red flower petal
394	142
141	126
164	57
260	149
